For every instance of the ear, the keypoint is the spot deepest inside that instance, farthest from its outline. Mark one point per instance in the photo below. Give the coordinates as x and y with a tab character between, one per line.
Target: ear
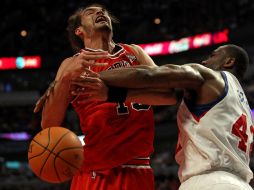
78	31
229	63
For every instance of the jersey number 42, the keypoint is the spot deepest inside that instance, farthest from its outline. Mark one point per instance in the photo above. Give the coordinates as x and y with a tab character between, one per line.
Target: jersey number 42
240	130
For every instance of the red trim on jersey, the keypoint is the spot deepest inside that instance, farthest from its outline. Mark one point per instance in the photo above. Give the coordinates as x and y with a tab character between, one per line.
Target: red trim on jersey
197	118
178	148
118	53
128	48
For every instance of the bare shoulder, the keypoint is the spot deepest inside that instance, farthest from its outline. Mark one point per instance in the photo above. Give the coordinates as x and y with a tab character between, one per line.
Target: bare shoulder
65	63
142	56
138	51
135	48
214	83
207	73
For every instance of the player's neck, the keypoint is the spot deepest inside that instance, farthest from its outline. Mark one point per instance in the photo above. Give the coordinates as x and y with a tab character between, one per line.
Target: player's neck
101	42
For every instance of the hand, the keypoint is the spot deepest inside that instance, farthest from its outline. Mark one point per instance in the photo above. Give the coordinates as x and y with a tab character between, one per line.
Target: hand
75	65
90	86
88	58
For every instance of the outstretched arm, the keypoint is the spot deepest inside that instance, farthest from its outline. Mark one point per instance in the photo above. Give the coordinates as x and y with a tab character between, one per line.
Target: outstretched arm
92	88
163	77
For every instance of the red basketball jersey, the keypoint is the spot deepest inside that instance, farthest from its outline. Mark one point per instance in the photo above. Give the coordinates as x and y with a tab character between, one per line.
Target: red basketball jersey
115	133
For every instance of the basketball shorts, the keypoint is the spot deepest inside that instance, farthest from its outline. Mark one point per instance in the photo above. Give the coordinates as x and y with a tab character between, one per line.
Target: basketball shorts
125	177
217	180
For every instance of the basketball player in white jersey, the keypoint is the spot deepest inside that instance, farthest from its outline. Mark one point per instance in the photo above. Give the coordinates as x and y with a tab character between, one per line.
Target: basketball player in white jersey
214	118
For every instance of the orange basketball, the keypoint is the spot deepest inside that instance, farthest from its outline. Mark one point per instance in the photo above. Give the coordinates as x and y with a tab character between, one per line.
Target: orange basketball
55	154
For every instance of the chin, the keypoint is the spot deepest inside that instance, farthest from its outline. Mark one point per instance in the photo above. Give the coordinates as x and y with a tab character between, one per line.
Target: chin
104	28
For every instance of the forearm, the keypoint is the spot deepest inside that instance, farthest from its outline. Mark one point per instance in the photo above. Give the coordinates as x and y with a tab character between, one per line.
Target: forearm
163	77
131	77
152	97
56	104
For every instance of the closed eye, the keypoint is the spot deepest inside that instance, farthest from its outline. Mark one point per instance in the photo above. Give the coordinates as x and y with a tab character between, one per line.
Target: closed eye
88	12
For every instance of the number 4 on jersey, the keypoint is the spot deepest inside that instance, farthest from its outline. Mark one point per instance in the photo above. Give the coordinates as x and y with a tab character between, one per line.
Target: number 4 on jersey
240	130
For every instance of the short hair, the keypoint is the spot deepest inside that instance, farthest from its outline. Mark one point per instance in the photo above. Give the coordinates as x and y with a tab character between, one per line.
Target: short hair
74	22
241	59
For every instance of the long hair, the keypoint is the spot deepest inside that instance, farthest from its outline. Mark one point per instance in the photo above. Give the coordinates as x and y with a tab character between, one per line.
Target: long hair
74	22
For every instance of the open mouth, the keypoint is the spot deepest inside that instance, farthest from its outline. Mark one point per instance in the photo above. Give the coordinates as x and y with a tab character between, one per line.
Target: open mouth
100	19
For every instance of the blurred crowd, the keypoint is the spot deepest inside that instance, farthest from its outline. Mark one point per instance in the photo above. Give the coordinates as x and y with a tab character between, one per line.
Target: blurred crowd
44	33
45	24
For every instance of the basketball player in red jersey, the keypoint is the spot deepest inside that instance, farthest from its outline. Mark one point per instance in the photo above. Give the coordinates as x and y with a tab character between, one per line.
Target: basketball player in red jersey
118	136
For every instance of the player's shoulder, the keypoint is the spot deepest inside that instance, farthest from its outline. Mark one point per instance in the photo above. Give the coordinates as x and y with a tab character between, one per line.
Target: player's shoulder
135	48
196	66
67	60
206	72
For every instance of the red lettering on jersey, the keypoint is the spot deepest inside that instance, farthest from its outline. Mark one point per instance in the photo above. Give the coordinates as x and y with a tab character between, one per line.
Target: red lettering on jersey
239	129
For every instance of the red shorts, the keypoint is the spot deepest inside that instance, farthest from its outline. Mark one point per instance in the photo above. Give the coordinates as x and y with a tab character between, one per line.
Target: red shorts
126	177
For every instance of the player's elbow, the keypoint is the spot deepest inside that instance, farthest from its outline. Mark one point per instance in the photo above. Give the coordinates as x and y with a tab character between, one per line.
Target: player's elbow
192	78
197	80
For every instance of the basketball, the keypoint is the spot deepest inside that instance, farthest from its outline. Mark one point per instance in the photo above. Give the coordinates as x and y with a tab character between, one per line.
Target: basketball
55	154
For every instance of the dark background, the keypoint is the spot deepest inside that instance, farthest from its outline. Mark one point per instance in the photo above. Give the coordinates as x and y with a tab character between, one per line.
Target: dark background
45	23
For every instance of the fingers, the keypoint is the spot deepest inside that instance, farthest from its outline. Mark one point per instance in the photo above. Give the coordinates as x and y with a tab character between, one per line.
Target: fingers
87	55
86	63
88	72
81	87
37	108
83	91
85	79
89	58
93	52
39	104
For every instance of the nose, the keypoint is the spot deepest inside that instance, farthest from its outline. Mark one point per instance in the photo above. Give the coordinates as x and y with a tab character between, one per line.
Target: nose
99	12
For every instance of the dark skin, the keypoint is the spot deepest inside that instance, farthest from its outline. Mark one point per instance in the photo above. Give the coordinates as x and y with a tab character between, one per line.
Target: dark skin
204	81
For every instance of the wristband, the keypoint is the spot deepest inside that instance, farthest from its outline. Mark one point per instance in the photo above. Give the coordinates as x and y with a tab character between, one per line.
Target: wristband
117	94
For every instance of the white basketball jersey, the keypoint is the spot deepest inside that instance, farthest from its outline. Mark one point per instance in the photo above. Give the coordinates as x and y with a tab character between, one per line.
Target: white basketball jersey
219	140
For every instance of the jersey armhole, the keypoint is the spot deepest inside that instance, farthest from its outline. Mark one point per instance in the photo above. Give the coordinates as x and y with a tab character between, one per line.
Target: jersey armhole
198	111
132	55
126	47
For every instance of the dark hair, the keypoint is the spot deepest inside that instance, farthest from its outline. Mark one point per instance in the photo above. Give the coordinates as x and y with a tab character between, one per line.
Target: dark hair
74	22
241	59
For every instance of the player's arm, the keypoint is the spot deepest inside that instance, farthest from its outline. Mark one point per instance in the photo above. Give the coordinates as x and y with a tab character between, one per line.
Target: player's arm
164	77
92	88
55	105
56	102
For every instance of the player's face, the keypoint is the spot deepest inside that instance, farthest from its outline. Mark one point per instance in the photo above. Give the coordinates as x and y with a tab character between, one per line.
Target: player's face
216	59
96	19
